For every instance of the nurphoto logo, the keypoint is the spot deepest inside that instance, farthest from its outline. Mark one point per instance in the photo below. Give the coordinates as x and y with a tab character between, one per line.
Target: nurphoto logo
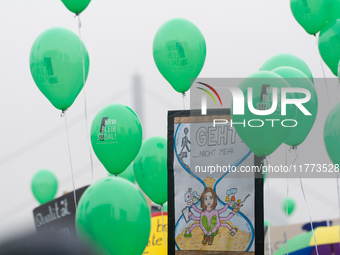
272	100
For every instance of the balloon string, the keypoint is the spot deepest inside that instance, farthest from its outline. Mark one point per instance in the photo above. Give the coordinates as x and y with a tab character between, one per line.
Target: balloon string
294	148
337	184
63	114
324	77
85	104
323	71
290	149
267	194
304	197
287	213
287	217
163	229
310	218
183	96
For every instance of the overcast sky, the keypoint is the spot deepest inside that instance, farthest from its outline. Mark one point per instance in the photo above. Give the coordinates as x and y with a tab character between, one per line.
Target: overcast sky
240	36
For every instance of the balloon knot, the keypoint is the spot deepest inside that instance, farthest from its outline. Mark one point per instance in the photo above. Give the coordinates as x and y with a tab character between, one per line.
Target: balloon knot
292	148
63	113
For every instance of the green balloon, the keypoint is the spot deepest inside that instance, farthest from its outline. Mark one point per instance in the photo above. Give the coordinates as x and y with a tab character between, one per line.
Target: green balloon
165	207
116	137
288	206
332	134
128	174
297	79
329	45
267	223
262	136
179	52
285	59
312	15
56	63
114	214
76	6
150	168
335	14
44	186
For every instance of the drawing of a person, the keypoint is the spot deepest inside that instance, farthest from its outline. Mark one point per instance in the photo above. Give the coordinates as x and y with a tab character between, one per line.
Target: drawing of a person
209	219
185	140
184	154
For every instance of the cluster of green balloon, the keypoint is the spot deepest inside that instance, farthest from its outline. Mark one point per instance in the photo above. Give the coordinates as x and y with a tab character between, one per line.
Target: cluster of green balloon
329	45
323	16
150	169
288	206
76	6
56	63
265	137
113	215
332	134
179	52
116	137
297	74
312	15
44	186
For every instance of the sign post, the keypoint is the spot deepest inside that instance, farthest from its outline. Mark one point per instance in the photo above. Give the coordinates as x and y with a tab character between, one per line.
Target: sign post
58	215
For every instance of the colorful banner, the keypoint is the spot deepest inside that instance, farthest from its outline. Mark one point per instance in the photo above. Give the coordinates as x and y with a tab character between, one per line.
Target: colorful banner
211	200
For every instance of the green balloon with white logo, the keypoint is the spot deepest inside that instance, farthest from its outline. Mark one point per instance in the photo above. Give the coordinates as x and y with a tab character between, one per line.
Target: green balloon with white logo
297	79
116	137
263	134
